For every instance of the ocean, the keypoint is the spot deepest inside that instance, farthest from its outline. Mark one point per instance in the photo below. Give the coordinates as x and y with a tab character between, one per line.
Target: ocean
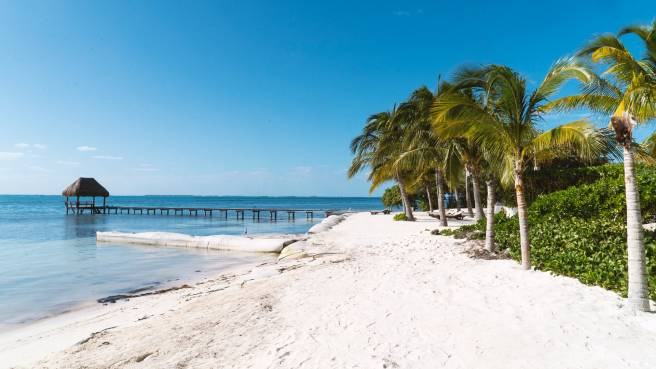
50	262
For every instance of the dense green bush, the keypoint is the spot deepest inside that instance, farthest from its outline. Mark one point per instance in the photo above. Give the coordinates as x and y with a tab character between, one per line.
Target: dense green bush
400	216
551	179
604	198
591	250
392	197
581	231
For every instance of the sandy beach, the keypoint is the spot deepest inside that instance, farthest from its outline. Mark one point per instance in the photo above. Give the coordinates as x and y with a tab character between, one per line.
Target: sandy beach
372	293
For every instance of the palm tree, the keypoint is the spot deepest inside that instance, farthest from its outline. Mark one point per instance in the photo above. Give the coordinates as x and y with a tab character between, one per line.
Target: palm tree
470	212
453	185
480	162
424	150
378	147
471	157
505	125
430	201
627	93
489	226
454	172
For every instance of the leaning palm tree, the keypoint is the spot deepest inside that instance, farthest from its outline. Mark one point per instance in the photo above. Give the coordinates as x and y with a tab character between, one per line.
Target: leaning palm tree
378	149
506	125
625	92
424	151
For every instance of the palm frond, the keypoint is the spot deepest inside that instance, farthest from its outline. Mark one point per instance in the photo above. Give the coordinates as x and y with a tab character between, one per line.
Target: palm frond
597	103
580	137
562	71
646	150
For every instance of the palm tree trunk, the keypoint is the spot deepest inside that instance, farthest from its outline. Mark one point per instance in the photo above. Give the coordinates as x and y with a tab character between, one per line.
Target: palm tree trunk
455	193
406	202
403	204
440	197
470	212
489	227
638	297
477	198
430	202
522	213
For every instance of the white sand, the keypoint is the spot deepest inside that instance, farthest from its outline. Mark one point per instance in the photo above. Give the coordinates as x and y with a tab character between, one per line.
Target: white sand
380	294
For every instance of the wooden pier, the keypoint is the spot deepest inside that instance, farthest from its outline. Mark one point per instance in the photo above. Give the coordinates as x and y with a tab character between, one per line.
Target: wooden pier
89	189
240	213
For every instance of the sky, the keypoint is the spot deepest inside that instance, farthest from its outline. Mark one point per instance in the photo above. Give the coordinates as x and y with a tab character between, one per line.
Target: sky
244	97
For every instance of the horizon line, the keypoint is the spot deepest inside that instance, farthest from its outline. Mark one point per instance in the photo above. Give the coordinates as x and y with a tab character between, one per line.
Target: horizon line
188	195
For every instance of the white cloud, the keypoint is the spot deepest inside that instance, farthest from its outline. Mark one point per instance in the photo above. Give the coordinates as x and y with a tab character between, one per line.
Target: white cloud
146	168
302	170
107	157
86	148
68	163
39	169
257	172
10	155
25	146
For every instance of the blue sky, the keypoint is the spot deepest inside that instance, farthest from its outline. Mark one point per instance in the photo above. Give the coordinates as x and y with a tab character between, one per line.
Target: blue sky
243	97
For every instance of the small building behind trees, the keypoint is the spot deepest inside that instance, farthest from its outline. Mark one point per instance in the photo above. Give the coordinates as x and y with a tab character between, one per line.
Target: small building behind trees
81	195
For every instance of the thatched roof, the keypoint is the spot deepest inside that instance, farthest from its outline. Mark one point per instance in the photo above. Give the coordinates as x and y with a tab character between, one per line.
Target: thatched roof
86	187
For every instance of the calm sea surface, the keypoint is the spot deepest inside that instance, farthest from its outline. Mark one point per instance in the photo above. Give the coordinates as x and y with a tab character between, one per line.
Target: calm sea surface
50	262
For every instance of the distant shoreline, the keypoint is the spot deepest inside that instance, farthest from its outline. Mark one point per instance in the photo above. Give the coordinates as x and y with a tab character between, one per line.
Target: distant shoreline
223	196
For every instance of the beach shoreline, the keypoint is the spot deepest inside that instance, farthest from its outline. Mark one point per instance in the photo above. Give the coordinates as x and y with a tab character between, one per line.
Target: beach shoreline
370	292
23	343
203	272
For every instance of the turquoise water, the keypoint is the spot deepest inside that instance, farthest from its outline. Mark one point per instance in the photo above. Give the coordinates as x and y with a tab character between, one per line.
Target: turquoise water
50	262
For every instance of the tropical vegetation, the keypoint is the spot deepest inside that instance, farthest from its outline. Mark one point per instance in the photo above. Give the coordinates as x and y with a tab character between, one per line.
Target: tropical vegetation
484	126
580	231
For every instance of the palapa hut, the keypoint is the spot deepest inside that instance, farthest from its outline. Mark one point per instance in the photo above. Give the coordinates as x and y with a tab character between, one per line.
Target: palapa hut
85	187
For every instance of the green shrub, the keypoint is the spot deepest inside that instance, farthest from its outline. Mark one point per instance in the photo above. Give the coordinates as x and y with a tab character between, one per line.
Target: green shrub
392	197
400	216
591	250
448	232
605	198
581	231
471	232
551	179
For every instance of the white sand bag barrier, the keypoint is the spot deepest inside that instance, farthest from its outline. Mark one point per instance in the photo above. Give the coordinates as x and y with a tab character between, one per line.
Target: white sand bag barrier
326	224
220	242
296	250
